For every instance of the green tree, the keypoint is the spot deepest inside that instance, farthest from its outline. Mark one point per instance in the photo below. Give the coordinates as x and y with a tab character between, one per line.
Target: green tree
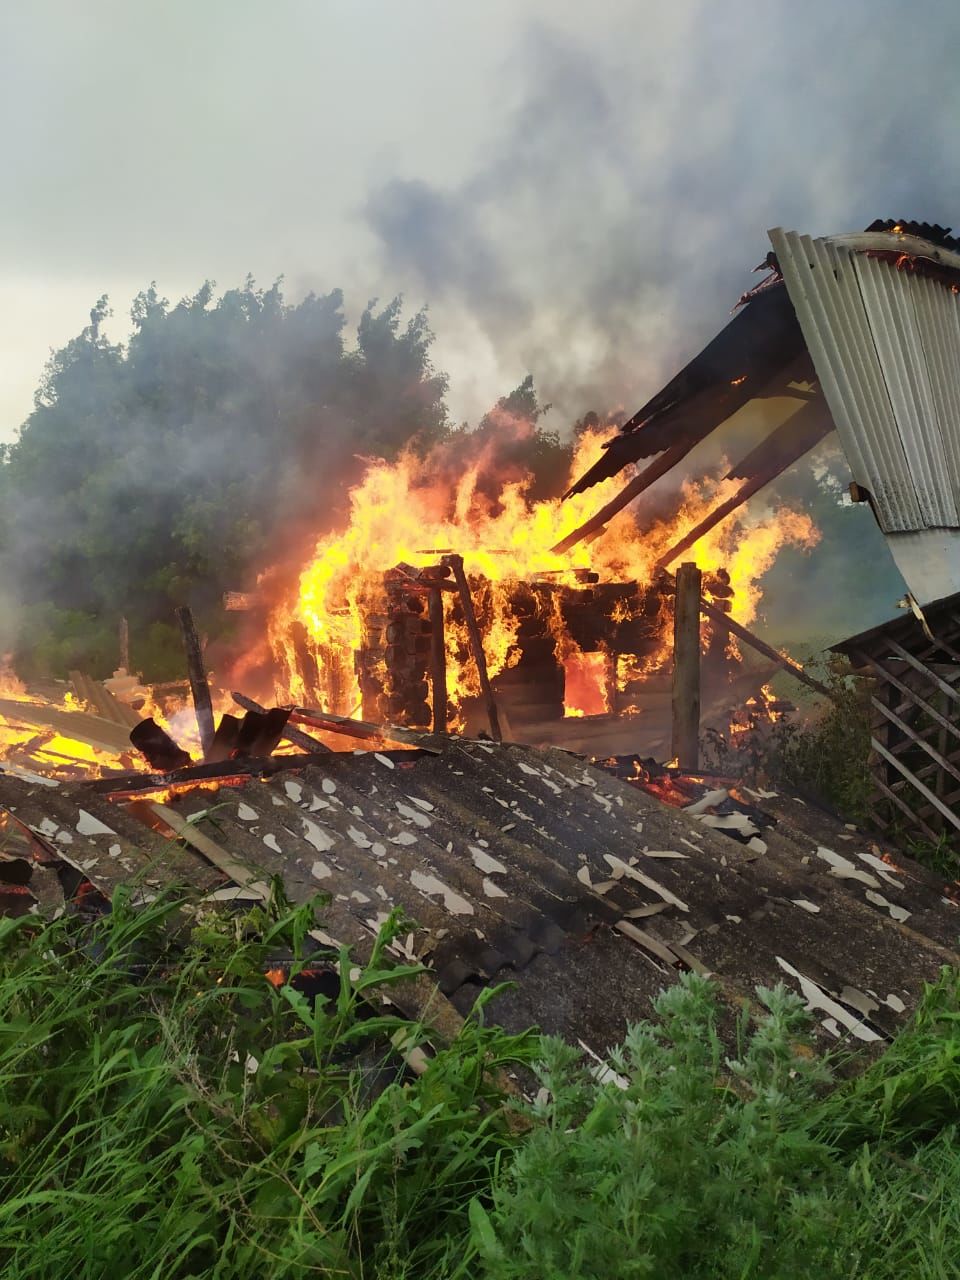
167	470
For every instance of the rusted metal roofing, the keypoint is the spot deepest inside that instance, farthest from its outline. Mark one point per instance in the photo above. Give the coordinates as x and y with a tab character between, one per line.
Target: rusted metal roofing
530	865
880	314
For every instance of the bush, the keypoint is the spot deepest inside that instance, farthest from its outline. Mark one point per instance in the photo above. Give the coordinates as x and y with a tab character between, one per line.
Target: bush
822	754
694	1165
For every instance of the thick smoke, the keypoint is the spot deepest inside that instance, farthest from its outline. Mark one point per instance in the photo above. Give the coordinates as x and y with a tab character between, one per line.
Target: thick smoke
615	221
604	238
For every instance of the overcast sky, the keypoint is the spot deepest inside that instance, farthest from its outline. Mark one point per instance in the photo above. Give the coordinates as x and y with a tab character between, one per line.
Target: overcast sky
577	190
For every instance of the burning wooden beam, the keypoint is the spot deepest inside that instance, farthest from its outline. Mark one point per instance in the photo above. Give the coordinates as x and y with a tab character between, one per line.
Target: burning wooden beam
199	687
788	664
780	450
686	669
306	661
360	728
438	663
657	468
476	642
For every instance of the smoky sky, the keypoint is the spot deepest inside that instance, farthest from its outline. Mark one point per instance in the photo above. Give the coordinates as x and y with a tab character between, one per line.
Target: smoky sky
577	192
604	233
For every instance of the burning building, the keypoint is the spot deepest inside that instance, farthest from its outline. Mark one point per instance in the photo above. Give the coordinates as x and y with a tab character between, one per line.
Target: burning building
443	606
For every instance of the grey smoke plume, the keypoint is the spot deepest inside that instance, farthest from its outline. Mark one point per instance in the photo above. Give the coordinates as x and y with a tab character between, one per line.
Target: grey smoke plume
604	238
607	233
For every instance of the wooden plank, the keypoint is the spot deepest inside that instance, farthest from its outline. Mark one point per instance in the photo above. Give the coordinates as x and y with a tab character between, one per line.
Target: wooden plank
78	725
107	705
928	795
363	729
438	663
476	642
199	687
685	705
896	799
251	878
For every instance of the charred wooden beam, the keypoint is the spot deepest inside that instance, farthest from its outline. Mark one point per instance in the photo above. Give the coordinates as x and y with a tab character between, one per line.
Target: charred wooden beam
438	663
476	642
657	468
292	735
686	669
780	450
788	664
226	772
261	731
225	739
158	748
202	702
363	729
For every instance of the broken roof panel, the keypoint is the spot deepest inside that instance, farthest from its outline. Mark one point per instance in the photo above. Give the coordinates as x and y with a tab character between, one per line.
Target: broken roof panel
531	865
757	354
880	312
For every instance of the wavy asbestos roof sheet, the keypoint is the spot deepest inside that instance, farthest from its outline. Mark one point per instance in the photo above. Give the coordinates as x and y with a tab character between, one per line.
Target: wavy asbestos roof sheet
530	865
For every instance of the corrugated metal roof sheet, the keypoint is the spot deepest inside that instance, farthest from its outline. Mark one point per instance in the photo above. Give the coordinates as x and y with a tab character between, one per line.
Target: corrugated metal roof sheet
886	344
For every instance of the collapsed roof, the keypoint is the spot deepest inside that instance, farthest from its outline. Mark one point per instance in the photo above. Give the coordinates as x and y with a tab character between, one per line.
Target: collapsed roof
873	318
523	864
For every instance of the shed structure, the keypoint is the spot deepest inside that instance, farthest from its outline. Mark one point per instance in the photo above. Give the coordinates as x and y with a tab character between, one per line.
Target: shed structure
914	663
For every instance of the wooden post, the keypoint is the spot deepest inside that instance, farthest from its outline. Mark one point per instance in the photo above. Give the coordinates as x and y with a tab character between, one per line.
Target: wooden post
686	669
438	662
202	703
476	642
124	645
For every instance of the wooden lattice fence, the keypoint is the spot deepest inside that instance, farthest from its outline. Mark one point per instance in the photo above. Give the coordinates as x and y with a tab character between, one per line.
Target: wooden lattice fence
915	728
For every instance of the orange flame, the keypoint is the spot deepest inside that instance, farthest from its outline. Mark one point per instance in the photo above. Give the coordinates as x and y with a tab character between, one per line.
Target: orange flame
406	512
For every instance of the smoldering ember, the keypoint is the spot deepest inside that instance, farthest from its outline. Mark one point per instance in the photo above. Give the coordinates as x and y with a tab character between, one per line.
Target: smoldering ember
534	716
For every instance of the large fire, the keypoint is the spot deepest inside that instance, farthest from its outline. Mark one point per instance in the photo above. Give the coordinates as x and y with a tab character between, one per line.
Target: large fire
409	512
36	727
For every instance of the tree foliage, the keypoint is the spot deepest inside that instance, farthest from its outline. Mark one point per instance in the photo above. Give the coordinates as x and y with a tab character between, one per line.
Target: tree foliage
166	470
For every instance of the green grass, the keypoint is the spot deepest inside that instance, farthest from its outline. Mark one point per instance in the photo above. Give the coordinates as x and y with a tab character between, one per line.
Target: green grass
137	1139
